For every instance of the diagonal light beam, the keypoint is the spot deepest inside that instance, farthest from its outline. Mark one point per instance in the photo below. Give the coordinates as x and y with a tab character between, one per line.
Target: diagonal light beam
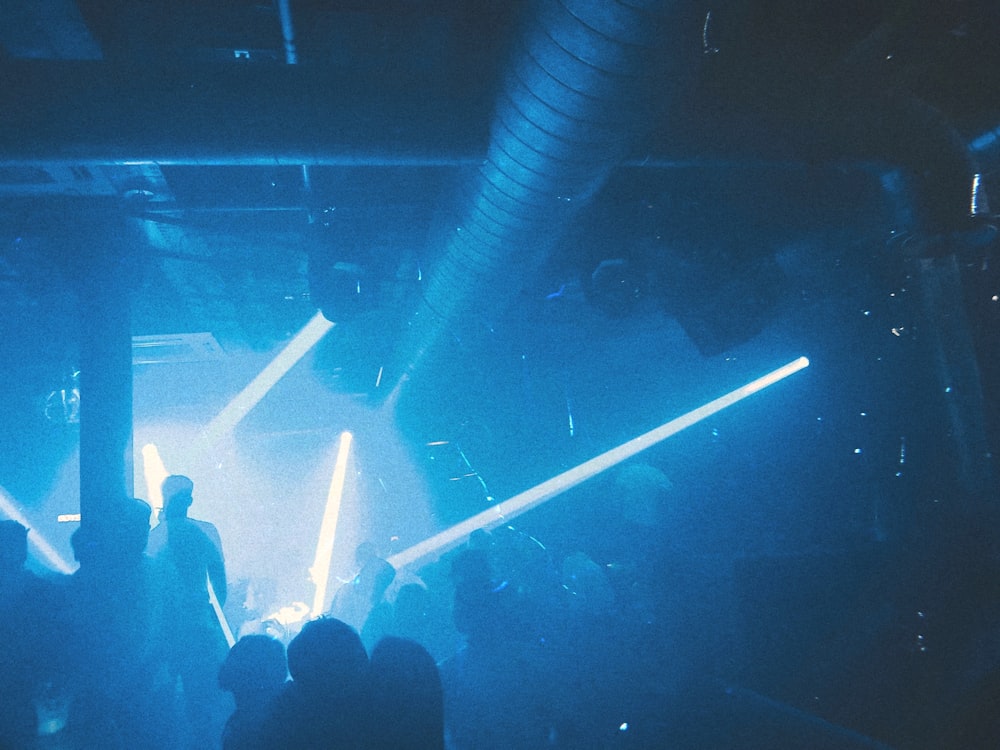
508	509
36	540
320	570
234	412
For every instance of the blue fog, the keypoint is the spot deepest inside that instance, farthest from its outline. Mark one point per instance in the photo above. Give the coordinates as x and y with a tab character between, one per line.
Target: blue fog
522	237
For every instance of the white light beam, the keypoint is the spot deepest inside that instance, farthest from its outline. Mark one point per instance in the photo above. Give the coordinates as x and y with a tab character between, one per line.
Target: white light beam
234	412
320	570
508	509
36	540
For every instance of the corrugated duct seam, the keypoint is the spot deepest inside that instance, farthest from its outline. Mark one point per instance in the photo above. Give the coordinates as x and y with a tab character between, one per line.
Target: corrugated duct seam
571	106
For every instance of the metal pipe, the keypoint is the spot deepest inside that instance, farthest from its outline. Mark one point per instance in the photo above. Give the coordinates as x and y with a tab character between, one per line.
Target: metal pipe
569	111
288	31
97	113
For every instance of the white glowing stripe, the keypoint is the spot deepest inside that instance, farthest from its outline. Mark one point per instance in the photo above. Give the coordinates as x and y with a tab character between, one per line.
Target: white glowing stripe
508	509
976	195
223	622
154	472
36	540
320	570
249	397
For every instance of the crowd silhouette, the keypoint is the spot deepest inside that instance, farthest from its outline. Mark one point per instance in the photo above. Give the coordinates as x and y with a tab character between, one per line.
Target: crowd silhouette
491	646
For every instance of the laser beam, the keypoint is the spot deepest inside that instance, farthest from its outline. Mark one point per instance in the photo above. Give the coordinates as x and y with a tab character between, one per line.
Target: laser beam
514	506
320	570
234	412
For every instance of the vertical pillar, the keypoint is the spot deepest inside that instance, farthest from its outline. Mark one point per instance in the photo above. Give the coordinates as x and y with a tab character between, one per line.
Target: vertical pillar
102	267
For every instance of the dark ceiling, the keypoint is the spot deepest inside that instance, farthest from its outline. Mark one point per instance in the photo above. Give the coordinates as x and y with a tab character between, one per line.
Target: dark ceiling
263	158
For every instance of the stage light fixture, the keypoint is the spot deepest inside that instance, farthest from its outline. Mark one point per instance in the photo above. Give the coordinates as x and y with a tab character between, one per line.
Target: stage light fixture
508	509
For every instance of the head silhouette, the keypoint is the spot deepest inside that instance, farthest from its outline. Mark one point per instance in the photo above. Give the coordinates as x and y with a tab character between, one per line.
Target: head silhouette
177	491
255	665
406	697
327	656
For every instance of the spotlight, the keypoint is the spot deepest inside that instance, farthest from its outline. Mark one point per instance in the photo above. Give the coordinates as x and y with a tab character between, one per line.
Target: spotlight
341	290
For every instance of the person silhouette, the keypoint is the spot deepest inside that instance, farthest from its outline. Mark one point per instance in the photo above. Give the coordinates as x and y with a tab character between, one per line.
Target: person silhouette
116	634
406	700
186	537
19	603
355	600
324	704
255	670
190	550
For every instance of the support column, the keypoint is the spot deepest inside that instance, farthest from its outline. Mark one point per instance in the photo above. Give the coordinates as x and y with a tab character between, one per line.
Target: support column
103	266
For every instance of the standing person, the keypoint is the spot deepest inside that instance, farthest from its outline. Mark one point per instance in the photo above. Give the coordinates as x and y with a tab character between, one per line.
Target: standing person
325	705
190	550
406	701
117	633
23	605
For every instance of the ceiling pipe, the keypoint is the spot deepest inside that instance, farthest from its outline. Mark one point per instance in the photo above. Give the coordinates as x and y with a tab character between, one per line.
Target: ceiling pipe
570	110
100	113
288	31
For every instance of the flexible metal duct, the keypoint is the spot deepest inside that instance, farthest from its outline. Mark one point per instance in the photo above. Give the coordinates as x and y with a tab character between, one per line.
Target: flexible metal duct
570	109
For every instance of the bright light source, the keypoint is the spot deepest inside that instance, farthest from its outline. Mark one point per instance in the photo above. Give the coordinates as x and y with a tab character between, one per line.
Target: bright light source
154	472
320	570
36	540
249	397
508	509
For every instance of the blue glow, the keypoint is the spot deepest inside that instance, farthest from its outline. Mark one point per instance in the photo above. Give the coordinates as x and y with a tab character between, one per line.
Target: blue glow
37	541
508	509
985	141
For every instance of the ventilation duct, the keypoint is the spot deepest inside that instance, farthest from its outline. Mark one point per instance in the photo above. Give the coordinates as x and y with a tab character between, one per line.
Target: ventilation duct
569	111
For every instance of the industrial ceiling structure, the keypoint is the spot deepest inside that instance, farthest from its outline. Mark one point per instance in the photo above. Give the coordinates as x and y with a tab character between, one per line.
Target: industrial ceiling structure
446	180
438	177
270	155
